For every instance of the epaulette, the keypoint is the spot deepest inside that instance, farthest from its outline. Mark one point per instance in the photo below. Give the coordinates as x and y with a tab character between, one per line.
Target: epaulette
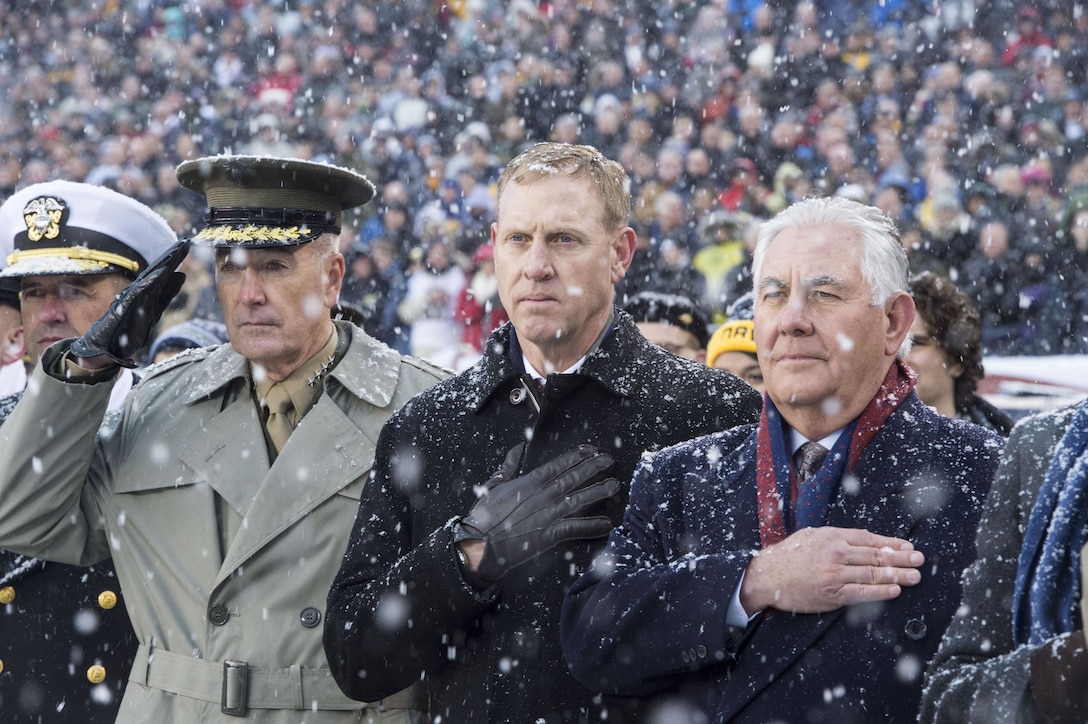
427	366
184	357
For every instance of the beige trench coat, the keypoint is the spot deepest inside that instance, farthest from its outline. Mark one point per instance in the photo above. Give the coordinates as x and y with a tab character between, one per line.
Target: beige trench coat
146	494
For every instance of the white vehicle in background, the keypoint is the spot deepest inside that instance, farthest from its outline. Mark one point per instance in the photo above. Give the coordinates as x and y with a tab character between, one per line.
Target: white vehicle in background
1024	385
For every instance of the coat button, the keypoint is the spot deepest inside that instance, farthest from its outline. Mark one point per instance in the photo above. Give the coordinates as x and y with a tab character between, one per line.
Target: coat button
310	617
517	395
1	666
915	629
96	674
107	600
7	595
218	614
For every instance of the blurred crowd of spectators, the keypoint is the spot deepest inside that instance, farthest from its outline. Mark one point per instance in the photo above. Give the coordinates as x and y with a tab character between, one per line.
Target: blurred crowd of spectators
967	125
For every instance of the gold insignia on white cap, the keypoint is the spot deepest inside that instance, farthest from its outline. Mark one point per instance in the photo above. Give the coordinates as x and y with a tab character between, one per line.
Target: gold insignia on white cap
42	216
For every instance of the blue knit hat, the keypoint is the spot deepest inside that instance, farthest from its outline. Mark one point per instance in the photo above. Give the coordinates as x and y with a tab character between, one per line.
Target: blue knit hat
190	335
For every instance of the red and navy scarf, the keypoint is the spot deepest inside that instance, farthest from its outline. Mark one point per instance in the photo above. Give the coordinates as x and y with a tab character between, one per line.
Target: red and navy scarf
776	485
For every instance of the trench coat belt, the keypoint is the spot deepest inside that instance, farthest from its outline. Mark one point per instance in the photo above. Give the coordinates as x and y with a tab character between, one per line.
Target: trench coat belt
294	688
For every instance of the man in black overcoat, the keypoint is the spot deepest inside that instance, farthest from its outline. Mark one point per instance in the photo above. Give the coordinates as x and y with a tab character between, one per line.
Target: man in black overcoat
458	576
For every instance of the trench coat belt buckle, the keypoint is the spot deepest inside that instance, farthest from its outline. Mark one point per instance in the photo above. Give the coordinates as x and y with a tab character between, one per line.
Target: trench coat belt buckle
235	683
237	686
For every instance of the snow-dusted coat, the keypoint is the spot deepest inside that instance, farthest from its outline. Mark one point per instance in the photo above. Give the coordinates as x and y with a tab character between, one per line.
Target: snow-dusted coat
400	605
56	623
651	613
978	675
56	626
148	495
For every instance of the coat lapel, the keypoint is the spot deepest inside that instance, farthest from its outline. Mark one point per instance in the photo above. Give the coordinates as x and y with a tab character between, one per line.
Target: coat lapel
780	639
230	455
325	453
888	492
328	451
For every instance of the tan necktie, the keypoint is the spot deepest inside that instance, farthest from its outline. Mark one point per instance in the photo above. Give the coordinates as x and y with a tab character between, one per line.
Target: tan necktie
279	415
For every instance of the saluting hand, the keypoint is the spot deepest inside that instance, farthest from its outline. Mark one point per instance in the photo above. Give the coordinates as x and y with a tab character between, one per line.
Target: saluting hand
124	329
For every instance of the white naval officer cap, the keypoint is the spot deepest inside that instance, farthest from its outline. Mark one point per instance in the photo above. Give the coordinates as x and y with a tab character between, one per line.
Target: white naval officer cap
65	227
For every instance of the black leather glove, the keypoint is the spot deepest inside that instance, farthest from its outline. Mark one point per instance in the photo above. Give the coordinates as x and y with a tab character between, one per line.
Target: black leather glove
521	518
126	326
